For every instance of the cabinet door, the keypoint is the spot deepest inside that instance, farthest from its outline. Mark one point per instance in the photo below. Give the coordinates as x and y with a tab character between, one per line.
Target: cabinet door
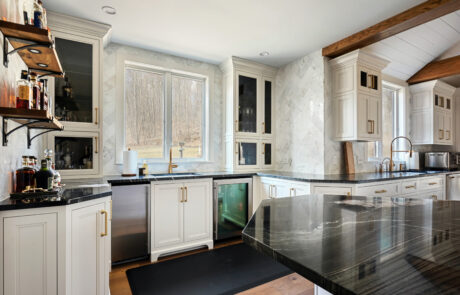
298	189
267	107
246	154
369	117
30	256
89	235
76	98
76	153
448	132
332	190
439	132
281	190
246	103
167	214
197	211
265	191
267	155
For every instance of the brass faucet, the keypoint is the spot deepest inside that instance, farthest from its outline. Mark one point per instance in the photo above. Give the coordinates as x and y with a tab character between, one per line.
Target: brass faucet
392	151
171	165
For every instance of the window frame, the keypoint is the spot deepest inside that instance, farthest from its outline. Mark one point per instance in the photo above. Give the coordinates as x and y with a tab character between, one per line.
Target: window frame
167	111
400	125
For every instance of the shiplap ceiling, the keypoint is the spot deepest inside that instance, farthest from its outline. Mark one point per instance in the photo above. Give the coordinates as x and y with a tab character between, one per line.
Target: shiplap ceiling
411	50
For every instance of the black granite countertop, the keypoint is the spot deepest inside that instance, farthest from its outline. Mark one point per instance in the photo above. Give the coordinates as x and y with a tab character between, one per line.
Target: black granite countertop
76	193
318	178
363	245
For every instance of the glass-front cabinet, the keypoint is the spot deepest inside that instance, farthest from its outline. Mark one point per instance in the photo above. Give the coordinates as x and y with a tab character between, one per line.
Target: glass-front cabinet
76	153
249	90
76	97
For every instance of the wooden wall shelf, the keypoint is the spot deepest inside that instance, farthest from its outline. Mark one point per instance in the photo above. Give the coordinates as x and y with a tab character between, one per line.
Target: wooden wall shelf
35	46
31	119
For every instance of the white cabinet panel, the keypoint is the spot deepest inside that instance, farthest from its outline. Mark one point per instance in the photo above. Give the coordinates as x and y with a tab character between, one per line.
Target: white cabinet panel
332	190
167	214
88	257
197	206
30	255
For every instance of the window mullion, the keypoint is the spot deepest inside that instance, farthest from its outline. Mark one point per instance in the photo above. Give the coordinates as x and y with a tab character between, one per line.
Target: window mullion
168	117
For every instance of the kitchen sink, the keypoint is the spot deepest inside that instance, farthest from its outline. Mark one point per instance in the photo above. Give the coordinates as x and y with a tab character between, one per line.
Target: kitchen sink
175	174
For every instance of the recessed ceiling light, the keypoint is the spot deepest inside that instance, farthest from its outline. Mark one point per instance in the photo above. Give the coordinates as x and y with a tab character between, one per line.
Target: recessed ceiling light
33	50
264	53
109	10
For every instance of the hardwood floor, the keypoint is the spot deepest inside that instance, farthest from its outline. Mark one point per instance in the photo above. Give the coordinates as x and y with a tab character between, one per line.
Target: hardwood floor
292	284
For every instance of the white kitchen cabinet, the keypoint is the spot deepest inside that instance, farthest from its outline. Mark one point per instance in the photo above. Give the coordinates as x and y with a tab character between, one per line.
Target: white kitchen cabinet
181	216
432	112
90	249
271	188
357	96
30	254
250	119
77	101
56	250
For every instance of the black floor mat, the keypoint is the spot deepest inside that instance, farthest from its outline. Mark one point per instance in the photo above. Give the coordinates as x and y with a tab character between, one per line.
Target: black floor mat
227	270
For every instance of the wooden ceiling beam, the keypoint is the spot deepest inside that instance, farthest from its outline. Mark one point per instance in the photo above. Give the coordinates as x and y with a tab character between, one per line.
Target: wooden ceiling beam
436	70
406	20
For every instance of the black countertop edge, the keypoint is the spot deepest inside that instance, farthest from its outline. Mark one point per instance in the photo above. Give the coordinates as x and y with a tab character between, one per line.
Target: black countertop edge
69	197
310	275
311	178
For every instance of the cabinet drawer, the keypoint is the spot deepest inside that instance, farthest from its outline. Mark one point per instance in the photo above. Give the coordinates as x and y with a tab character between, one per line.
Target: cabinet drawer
332	190
409	186
382	190
431	183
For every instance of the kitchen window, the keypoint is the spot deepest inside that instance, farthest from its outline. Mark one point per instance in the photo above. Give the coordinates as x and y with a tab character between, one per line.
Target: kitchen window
393	123
165	109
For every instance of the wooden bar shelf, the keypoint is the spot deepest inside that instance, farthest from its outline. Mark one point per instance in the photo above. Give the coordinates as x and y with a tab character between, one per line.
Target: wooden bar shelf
35	46
30	119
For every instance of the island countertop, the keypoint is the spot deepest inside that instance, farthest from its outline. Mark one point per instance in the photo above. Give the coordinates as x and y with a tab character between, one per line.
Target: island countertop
363	245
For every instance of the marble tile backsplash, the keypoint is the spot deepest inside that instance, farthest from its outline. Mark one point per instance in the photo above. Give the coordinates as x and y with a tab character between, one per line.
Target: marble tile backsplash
10	156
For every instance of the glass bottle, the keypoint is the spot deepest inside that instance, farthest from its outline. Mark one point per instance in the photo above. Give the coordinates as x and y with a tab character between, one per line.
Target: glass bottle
25	176
67	88
43	94
38	14
24	92
56	174
44	17
45	177
35	91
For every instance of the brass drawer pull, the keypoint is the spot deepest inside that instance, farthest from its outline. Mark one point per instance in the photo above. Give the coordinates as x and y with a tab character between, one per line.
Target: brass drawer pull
105	233
410	186
434	197
96	110
186	194
432	183
441	134
96	145
381	191
263	127
181	194
448	132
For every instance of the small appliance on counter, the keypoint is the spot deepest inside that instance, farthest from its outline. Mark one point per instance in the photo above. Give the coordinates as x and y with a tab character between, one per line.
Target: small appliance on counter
442	160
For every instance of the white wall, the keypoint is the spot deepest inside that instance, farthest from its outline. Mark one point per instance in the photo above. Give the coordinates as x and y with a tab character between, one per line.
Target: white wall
114	56
10	156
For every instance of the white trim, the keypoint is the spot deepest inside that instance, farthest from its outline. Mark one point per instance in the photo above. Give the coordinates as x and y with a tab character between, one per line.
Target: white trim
167	118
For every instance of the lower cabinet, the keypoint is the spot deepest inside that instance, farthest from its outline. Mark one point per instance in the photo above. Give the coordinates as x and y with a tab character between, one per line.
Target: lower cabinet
56	250
181	216
270	188
331	190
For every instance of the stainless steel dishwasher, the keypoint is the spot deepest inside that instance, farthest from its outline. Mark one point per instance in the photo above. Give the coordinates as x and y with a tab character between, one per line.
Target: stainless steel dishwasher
130	222
453	186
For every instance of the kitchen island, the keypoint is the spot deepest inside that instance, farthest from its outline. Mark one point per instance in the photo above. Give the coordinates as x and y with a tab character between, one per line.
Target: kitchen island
363	245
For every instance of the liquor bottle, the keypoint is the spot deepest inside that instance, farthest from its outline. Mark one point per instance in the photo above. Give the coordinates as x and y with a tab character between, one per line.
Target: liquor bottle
38	13
45	176
24	92
35	91
43	94
57	176
67	88
44	17
25	176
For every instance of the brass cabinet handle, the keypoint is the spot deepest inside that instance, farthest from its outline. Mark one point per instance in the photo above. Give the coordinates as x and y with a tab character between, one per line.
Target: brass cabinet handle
186	194
410	186
380	191
96	110
434	197
432	183
373	127
182	194
448	132
105	233
441	134
96	150
263	127
369	122
349	194
236	150
263	151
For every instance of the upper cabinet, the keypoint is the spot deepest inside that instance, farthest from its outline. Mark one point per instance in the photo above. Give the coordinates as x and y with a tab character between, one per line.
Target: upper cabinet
249	94
77	99
357	96
432	113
